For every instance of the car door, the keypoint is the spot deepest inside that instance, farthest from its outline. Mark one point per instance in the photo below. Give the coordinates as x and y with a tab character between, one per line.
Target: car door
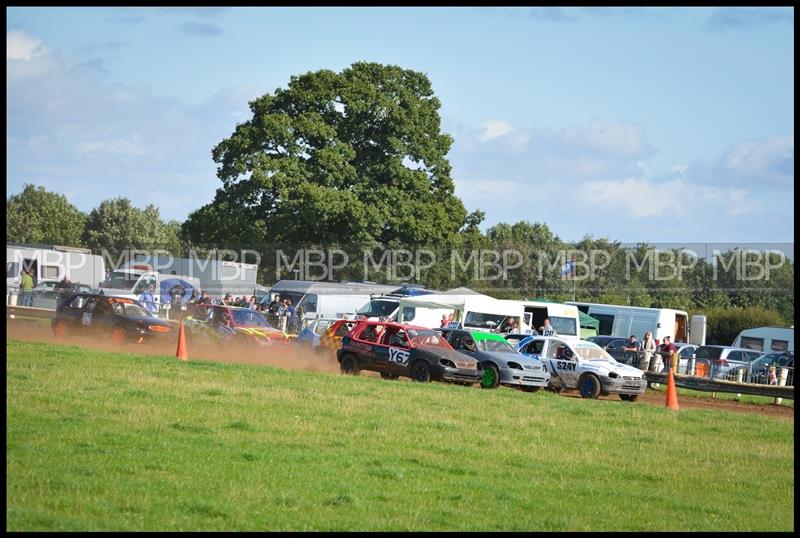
86	324
72	313
534	348
563	366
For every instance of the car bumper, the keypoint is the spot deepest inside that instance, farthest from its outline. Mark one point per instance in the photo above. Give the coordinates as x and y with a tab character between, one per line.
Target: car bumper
524	378
624	386
462	375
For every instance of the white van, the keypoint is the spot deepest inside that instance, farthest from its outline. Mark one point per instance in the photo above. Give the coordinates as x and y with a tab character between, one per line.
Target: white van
133	282
623	321
767	339
48	262
326	299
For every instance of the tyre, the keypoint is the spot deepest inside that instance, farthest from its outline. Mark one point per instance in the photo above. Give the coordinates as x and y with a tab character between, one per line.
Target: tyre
349	365
59	329
629	397
589	386
119	335
530	389
491	377
384	375
421	372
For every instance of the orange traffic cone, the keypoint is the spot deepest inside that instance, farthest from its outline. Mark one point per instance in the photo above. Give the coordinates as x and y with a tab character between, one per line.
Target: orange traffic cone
181	353
672	393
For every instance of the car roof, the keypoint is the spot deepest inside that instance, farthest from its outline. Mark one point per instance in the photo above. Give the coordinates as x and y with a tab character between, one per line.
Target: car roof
392	324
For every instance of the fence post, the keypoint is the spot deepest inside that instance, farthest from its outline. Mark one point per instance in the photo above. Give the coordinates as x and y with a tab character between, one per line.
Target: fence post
782	383
738	380
282	323
675	360
690	365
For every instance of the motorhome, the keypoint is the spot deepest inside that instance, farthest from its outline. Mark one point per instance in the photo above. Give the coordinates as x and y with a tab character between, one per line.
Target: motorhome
767	339
52	262
326	299
623	321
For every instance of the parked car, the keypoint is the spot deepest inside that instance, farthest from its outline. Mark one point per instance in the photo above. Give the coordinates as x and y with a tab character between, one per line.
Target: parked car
724	360
582	365
501	363
760	368
685	351
47	293
612	345
311	333
405	350
105	316
217	323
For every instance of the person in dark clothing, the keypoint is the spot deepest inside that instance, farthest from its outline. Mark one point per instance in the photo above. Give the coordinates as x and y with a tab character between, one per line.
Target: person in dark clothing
666	350
63	290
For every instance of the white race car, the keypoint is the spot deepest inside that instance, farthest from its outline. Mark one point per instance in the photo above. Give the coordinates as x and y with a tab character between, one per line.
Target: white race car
582	365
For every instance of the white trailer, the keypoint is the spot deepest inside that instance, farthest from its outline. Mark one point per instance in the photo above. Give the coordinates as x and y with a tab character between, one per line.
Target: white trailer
624	321
52	262
766	339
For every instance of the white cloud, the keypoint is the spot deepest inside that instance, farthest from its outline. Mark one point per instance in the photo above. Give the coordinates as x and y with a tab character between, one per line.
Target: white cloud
21	46
769	160
493	129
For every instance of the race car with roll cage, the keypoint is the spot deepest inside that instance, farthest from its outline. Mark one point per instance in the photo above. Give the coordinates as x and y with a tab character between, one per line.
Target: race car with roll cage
501	363
121	319
582	365
220	323
396	350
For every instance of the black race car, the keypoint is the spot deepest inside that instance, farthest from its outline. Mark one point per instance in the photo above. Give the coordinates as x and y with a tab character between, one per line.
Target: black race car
119	318
405	350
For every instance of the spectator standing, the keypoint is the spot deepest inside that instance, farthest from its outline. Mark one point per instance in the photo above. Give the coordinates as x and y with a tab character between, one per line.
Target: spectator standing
176	294
149	300
192	297
63	290
648	348
228	299
275	305
445	321
666	350
253	304
548	329
26	288
204	298
632	349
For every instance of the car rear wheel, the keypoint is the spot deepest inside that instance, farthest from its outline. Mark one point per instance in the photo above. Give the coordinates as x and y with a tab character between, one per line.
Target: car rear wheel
629	397
530	389
491	377
384	375
421	372
589	386
349	365
118	335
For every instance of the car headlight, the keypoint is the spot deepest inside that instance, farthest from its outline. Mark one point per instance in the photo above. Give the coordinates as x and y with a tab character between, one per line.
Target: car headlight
514	365
448	363
613	375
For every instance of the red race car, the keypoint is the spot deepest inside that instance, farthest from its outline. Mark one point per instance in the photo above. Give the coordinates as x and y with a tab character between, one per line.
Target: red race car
405	350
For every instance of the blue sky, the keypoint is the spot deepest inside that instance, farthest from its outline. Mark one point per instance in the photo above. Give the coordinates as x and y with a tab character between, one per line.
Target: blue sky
657	125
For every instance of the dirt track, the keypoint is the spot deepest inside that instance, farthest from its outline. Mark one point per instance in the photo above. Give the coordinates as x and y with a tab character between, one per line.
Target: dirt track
298	358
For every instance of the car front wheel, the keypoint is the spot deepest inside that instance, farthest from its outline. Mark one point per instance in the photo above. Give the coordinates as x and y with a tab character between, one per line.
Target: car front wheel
421	372
589	386
491	377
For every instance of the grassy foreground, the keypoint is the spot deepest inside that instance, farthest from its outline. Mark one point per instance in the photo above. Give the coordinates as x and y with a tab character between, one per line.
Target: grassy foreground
102	441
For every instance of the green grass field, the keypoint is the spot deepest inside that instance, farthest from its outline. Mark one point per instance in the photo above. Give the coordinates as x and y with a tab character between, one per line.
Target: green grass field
102	441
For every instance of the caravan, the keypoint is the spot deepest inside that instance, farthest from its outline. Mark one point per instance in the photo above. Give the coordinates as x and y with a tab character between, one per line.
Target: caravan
624	321
767	339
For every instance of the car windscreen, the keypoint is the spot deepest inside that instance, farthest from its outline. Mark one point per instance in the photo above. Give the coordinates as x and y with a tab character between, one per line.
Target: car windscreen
428	339
120	281
495	346
772	358
707	352
378	308
321	326
564	326
589	353
130	310
249	318
483	320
